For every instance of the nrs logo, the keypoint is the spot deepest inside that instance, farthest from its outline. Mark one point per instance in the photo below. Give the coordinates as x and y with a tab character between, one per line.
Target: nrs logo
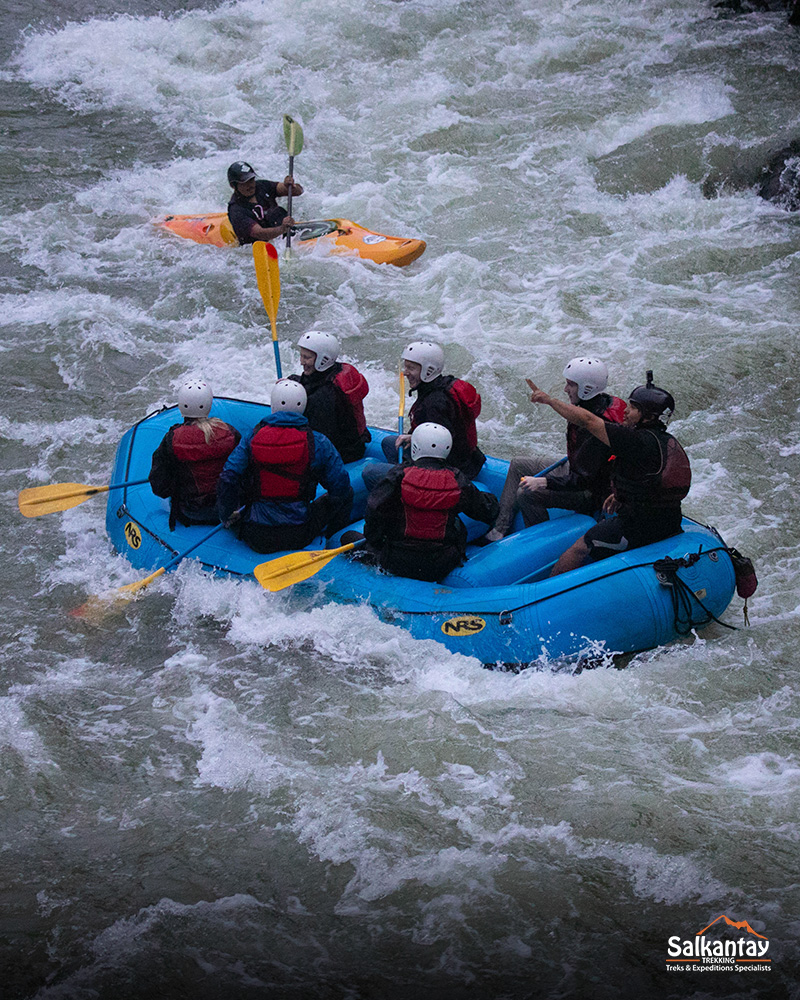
132	535
459	627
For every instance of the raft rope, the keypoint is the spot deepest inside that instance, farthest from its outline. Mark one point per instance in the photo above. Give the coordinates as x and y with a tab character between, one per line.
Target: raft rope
682	594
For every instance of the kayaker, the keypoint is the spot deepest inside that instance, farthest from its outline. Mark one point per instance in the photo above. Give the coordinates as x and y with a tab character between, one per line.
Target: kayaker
253	211
336	392
584	483
650	474
441	399
412	525
275	471
187	464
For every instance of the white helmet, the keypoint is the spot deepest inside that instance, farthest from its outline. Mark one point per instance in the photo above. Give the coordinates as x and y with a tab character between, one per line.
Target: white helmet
324	345
288	395
429	356
430	441
195	398
590	375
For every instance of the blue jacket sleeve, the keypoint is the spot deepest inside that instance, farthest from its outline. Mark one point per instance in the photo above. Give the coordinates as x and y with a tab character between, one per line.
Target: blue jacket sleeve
230	480
330	469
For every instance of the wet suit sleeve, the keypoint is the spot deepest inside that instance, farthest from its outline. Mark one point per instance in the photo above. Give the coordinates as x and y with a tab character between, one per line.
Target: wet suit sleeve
164	469
383	504
475	503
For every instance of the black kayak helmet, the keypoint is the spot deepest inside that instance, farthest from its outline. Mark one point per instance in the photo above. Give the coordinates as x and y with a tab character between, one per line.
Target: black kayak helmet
652	400
239	173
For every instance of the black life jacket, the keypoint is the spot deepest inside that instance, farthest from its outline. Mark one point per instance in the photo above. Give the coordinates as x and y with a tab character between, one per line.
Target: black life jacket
586	454
665	487
282	459
430	498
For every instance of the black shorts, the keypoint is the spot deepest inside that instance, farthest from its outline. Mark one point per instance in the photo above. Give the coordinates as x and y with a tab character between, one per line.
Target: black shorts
617	534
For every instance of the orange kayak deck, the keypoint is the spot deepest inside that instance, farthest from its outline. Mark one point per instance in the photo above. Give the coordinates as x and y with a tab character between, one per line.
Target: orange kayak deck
339	236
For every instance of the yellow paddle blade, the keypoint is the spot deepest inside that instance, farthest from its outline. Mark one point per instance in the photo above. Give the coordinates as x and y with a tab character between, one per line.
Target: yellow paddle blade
98	606
402	410
265	258
279	573
40	500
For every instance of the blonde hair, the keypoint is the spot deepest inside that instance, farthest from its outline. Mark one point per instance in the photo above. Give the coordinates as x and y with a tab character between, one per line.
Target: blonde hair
208	425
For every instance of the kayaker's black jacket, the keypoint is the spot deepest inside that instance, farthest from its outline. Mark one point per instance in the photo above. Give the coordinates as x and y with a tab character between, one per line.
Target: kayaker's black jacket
265	211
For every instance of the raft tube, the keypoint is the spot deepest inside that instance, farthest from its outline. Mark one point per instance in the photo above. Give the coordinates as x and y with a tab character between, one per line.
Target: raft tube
339	236
501	606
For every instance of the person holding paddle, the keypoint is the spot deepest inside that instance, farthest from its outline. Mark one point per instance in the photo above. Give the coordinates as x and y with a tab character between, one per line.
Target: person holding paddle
253	210
336	394
274	473
188	462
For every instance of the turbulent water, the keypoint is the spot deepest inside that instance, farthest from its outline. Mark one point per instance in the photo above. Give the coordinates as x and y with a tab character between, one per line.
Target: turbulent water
222	793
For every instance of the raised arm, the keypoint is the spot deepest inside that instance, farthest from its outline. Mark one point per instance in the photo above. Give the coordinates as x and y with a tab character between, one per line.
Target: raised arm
574	414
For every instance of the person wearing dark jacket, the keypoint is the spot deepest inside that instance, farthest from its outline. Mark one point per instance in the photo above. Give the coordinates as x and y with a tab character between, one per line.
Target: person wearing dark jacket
412	524
336	394
586	481
187	464
274	473
650	475
441	399
253	211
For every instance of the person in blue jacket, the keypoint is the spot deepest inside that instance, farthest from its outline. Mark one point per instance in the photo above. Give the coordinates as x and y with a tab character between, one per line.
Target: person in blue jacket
274	473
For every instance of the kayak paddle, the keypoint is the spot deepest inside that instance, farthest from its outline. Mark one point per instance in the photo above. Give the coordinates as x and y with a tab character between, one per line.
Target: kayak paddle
293	135
277	574
265	258
38	500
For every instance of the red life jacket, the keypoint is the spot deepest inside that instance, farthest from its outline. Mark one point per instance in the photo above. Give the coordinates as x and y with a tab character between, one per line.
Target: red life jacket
468	400
282	457
204	460
354	386
430	497
664	488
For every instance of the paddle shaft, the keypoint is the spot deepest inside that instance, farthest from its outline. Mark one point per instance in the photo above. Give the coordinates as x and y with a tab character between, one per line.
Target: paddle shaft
550	468
90	491
289	205
401	412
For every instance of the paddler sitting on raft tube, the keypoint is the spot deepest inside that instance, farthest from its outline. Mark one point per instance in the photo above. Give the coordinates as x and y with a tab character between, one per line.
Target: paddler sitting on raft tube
441	399
336	394
187	464
585	483
274	473
650	475
412	525
253	211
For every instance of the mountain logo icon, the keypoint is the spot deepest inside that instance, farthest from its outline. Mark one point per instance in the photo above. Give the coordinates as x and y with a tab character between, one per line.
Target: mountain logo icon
739	925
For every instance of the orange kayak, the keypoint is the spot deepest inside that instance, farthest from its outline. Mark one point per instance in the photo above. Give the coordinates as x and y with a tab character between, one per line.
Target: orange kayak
340	236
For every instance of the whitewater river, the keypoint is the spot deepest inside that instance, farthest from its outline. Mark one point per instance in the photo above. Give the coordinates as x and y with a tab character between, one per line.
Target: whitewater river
222	793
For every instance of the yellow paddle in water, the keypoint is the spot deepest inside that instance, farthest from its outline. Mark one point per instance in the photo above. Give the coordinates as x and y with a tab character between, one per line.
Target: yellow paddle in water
265	258
38	500
99	605
277	574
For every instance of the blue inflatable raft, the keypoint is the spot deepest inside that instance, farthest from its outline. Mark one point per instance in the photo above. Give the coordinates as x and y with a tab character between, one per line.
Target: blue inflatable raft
500	606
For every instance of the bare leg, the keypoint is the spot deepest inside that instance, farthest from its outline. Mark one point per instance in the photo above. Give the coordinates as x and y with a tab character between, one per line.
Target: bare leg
576	555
